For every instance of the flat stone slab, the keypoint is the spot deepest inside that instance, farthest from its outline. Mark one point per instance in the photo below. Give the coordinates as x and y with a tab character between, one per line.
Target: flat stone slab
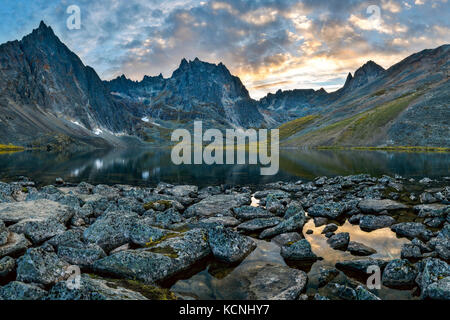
37	209
376	206
218	204
259	224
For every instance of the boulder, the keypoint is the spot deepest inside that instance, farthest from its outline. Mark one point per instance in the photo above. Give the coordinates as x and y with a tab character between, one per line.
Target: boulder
287	238
330	210
278	194
339	241
41	266
360	266
292	224
371	222
39	209
410	251
7	266
229	246
412	230
250	213
325	275
223	221
359	249
4	233
182	191
433	270
274	282
298	251
218	204
258	224
83	257
439	290
399	273
17	243
363	294
17	290
92	289
330	228
371	206
38	230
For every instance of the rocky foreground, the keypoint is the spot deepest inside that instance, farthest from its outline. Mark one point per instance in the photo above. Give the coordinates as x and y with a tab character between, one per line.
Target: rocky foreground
130	241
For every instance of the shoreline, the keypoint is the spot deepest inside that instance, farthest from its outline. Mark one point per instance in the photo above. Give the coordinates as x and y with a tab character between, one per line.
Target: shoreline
143	242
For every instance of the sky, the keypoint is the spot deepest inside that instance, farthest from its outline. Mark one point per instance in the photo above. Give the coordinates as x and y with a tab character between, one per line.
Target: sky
269	44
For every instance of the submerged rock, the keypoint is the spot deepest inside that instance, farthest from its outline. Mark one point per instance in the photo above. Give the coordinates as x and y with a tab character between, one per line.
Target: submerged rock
274	282
359	249
229	246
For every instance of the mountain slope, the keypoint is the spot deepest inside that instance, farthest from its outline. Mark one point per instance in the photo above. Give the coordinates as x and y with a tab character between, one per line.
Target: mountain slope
47	94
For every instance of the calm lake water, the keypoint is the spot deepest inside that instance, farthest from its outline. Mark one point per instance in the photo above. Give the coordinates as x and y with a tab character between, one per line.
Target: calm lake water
150	166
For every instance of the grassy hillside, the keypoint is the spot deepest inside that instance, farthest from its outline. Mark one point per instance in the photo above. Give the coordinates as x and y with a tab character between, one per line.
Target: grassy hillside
292	127
363	129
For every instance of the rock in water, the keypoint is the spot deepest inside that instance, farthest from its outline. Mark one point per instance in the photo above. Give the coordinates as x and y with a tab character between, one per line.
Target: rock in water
339	241
399	274
359	249
370	222
229	246
298	251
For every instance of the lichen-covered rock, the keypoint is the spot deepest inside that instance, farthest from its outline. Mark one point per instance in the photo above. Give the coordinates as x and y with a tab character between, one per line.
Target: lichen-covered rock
217	204
38	209
371	206
83	257
226	221
39	265
371	222
363	294
17	290
166	219
330	210
274	282
229	246
39	230
412	230
359	249
360	266
326	274
16	244
410	251
399	273
182	191
298	251
339	241
4	233
259	224
294	223
92	289
433	270
250	213
286	238
278	194
7	266
293	209
439	290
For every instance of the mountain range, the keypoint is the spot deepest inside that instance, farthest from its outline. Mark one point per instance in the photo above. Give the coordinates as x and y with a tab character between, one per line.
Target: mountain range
49	98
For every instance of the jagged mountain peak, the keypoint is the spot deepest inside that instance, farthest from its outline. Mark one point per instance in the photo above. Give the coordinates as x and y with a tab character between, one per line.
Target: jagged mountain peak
363	75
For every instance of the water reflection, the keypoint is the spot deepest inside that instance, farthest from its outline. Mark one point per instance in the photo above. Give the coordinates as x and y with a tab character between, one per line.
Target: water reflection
148	167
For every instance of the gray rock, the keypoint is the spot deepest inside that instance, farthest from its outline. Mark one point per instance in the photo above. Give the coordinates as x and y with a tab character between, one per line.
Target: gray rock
435	210
259	224
292	224
360	266
218	204
39	230
298	251
434	222
319	297
167	219
355	219
371	206
433	270
330	210
274	282
182	191
326	274
342	291
339	241
287	238
427	197
330	228
41	266
16	244
111	230
410	251
412	230
7	266
70	238
159	262
250	213
224	221
141	232
229	246
278	194
399	273
274	205
439	290
371	222
293	209
320	221
38	209
4	233
92	289
82	257
363	294
359	249
16	290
